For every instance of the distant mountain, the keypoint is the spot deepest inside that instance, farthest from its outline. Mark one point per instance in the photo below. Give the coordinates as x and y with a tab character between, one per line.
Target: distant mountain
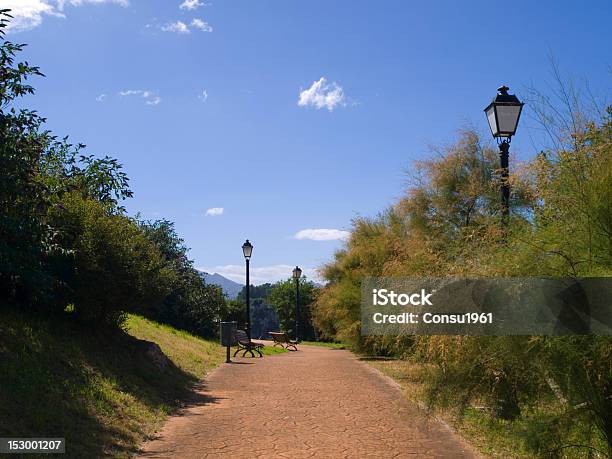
230	288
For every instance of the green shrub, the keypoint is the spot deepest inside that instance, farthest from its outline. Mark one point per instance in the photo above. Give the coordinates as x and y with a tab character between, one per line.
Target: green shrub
190	304
110	267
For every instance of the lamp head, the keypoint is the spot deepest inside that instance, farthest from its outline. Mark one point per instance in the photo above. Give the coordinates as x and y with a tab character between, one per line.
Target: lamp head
247	249
503	113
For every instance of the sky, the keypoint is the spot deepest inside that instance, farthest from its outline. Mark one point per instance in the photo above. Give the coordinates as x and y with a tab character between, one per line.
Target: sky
281	121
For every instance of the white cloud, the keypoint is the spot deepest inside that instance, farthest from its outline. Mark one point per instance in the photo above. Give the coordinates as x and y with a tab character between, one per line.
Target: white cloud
261	274
203	95
101	98
156	100
322	94
191	5
28	14
177	27
201	25
150	97
322	234
181	28
61	3
214	211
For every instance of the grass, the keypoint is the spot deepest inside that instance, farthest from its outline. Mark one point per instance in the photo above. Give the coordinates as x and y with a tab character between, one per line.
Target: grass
492	437
98	390
324	344
190	353
271	350
474	426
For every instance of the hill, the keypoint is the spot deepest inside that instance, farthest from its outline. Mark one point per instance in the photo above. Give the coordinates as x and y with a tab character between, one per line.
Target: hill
230	288
102	391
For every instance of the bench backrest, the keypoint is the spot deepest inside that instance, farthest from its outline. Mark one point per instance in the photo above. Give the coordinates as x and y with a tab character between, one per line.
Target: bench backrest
280	337
241	336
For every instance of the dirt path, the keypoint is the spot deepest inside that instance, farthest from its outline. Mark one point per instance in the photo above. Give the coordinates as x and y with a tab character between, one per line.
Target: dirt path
317	402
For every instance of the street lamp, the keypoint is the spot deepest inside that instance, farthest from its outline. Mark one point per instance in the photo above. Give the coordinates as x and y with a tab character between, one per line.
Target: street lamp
247	250
503	116
297	273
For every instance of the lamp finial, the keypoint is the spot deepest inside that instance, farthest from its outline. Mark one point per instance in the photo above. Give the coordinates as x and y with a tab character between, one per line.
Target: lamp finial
503	90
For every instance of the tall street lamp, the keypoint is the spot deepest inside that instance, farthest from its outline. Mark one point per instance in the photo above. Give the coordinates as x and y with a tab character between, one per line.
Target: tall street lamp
503	116
247	250
297	273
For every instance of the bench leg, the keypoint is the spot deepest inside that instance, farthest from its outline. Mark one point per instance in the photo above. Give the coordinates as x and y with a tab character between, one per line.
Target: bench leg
237	351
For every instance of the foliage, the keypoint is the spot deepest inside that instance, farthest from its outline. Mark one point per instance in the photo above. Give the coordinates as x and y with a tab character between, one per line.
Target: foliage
235	311
263	316
256	291
24	236
105	250
66	243
264	319
191	304
55	206
447	224
282	298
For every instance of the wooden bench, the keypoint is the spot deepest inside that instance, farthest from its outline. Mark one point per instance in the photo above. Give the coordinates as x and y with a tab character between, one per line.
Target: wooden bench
282	339
246	345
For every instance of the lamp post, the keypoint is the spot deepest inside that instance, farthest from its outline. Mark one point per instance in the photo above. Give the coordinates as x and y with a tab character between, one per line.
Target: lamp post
503	115
247	250
297	273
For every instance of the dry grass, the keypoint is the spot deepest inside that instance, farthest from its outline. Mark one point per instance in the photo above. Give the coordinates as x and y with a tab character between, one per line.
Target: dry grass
492	438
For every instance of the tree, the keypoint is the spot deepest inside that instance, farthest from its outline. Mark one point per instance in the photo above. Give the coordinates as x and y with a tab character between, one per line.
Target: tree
108	267
263	317
65	241
36	170
24	235
282	299
447	224
190	304
234	311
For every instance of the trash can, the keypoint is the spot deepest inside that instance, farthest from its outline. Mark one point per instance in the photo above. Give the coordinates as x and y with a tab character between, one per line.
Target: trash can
228	336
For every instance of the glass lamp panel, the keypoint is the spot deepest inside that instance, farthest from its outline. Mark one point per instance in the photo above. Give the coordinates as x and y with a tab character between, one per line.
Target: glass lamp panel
297	272
491	119
247	249
507	116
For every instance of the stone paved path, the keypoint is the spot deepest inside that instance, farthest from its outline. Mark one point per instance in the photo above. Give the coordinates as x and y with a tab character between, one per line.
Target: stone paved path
317	402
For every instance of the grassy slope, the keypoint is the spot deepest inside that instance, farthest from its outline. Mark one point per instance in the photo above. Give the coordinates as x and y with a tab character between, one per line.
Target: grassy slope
97	390
190	353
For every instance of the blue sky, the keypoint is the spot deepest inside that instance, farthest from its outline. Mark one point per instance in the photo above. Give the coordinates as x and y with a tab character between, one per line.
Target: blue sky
220	104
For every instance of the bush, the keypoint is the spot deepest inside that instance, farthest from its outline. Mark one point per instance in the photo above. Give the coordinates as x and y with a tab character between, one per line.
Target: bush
65	241
448	224
191	304
109	267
